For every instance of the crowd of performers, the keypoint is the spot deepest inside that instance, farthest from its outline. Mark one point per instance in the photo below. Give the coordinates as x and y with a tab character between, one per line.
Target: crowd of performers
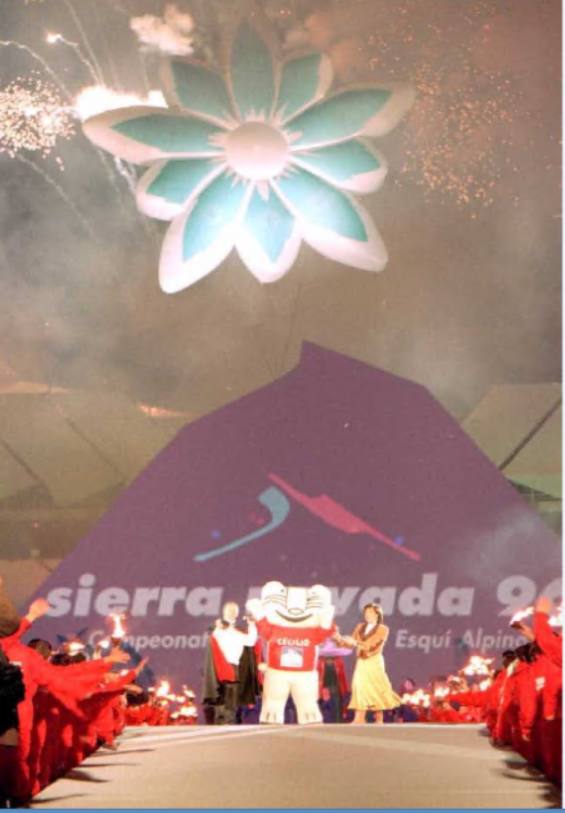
519	699
520	702
58	706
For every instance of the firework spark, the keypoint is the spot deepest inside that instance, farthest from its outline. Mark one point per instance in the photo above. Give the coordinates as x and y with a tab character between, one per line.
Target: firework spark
38	58
53	38
33	117
33	120
462	114
458	138
92	61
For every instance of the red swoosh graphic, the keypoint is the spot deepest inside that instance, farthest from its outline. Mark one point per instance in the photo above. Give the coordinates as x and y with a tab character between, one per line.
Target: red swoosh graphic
337	516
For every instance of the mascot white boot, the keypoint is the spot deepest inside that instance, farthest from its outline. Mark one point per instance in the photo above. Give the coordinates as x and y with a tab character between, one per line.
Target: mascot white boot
293	621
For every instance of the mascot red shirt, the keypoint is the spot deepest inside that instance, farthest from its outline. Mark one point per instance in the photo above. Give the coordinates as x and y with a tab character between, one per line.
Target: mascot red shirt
296	650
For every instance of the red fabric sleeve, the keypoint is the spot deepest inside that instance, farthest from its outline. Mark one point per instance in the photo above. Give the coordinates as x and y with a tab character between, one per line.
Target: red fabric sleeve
341	677
460	697
96	668
78	680
258	650
117	686
496	689
224	670
450	716
265	629
552	691
342	683
549	643
527	700
15	636
318	634
503	720
478	699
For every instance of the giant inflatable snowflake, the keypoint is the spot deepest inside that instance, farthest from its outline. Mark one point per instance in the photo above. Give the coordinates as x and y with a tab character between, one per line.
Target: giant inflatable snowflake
260	159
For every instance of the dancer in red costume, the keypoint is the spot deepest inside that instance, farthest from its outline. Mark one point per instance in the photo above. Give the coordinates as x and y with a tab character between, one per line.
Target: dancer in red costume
11	694
551	644
38	674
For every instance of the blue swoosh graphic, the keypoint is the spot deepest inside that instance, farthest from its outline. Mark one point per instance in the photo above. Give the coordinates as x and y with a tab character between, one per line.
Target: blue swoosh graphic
278	506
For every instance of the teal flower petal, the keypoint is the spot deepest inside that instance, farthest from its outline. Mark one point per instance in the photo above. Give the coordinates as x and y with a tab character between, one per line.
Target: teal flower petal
251	77
198	240
269	239
365	111
351	165
198	90
332	222
169	187
304	82
141	134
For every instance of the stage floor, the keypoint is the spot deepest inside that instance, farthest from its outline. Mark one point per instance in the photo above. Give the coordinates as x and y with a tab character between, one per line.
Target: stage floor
391	766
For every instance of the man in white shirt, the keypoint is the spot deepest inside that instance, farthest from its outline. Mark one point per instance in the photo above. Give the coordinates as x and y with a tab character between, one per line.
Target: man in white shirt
231	642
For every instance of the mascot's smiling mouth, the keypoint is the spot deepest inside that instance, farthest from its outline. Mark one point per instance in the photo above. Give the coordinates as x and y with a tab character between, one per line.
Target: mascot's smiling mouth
294	620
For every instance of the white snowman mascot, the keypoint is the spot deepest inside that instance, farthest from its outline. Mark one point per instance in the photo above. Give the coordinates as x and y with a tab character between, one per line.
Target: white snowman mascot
293	621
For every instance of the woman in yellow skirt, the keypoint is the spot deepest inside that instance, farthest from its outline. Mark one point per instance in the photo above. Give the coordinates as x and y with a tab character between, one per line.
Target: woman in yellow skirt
370	688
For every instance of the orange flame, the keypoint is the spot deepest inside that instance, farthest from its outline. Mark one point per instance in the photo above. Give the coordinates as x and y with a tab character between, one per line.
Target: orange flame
521	614
163	689
118	630
478	665
418	698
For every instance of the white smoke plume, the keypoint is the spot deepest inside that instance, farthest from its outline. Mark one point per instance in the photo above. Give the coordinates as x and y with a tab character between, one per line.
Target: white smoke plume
97	99
170	34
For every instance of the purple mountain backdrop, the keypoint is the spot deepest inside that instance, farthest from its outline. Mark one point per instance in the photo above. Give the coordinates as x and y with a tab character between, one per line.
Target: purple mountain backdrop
337	473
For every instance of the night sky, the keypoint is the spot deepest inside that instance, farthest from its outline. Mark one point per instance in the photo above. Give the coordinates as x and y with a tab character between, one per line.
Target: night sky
470	211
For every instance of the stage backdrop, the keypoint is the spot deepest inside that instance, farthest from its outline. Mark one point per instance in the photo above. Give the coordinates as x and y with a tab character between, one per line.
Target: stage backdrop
337	473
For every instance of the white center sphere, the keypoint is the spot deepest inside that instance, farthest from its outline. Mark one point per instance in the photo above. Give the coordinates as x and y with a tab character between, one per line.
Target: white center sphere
256	151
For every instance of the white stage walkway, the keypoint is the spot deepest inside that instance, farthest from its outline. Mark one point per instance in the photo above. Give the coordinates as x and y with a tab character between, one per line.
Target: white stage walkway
316	766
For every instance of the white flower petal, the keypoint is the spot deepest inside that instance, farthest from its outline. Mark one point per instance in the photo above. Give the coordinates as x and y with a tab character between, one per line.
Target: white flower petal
352	165
201	238
268	240
332	222
368	110
145	134
304	82
169	187
198	90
